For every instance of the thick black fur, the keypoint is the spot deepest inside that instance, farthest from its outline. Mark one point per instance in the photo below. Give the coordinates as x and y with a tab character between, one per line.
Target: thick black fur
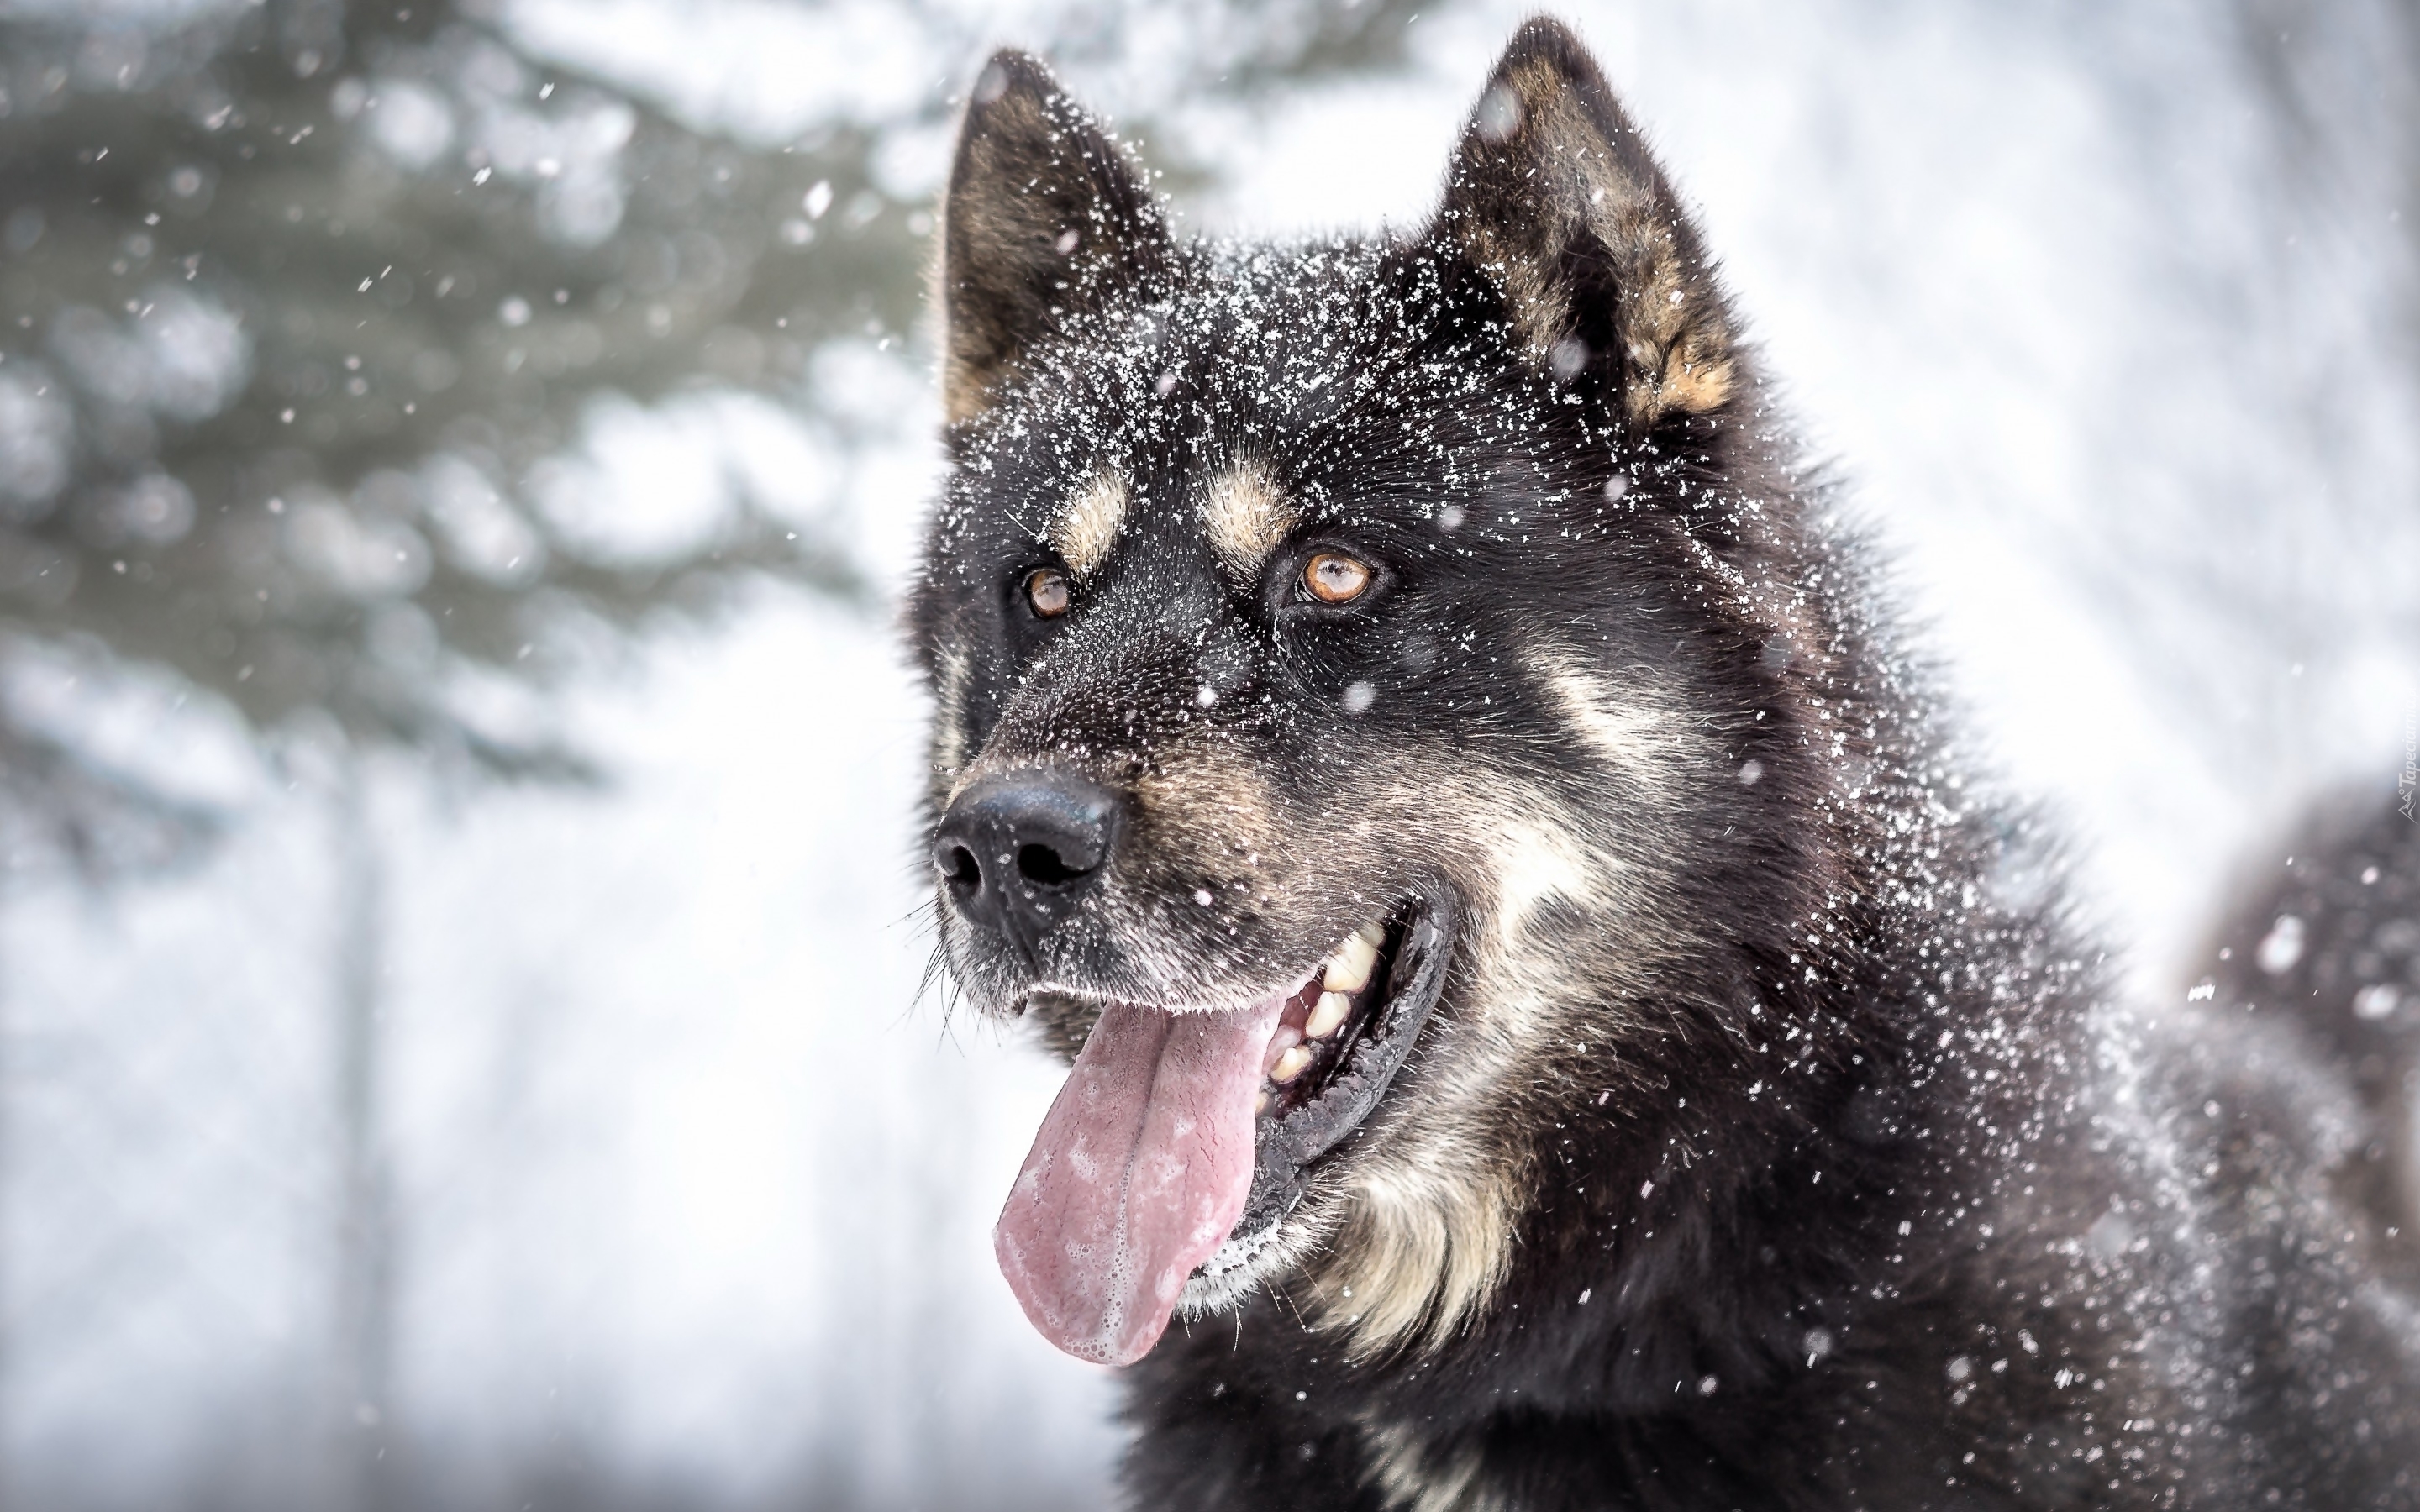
1871	1197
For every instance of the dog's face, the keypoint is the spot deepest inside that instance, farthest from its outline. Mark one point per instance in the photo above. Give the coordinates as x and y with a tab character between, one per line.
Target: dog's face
1321	640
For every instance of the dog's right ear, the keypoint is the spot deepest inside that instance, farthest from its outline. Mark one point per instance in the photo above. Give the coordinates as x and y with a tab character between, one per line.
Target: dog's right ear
1552	194
1045	220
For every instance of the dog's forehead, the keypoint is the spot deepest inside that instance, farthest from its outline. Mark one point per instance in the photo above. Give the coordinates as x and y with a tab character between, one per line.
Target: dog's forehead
1197	423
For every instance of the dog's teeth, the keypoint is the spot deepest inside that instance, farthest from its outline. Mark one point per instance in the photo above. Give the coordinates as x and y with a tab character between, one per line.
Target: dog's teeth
1290	1065
1260	1102
1285	1039
1373	934
1332	1011
1348	969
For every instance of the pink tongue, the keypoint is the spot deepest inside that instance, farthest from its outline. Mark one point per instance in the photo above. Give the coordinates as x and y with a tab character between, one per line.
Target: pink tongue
1140	1171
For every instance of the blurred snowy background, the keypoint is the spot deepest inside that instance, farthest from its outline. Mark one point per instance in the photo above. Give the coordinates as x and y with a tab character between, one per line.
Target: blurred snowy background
458	1030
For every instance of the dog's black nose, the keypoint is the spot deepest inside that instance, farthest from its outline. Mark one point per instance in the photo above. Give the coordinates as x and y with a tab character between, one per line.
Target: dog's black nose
1015	852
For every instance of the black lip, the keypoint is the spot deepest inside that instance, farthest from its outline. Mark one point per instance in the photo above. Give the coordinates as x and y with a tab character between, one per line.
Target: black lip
1290	1145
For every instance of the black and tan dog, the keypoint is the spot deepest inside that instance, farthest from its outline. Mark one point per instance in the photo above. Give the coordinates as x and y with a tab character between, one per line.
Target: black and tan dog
1549	1011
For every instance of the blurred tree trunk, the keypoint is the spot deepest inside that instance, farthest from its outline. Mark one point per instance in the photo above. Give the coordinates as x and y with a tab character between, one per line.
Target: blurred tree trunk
8	1250
361	1397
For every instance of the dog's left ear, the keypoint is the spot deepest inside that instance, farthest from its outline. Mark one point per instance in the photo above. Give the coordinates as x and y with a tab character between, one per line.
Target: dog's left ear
1045	220
1554	196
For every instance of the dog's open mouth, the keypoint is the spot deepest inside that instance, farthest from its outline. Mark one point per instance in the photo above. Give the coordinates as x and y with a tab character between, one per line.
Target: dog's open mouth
1182	1138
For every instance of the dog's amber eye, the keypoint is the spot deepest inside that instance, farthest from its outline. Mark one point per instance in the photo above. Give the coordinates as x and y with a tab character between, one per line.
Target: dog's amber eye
1334	578
1046	589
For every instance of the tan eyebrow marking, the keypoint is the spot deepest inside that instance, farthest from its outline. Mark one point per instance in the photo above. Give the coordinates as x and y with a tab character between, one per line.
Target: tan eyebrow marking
1246	515
1088	523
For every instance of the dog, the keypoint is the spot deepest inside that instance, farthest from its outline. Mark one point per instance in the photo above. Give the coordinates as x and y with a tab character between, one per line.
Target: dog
1556	1018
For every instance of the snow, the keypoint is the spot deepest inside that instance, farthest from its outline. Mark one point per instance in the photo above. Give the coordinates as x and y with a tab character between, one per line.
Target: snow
650	483
144	728
177	353
37	431
695	1180
764	71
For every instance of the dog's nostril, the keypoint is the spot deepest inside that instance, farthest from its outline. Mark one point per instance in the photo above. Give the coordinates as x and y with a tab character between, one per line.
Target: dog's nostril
1042	865
958	866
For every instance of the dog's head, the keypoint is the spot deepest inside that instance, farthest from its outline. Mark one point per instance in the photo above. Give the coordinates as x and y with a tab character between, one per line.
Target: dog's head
1354	662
